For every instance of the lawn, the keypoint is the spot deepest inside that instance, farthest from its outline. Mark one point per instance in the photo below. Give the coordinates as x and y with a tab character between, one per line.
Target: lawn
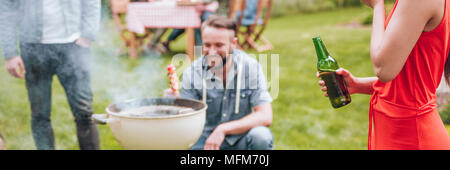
303	118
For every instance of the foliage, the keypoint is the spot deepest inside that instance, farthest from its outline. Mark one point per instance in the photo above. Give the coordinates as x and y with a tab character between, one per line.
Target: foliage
286	7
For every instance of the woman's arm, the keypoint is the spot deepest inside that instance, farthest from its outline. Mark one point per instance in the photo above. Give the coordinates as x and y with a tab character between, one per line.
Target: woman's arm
391	47
354	84
365	85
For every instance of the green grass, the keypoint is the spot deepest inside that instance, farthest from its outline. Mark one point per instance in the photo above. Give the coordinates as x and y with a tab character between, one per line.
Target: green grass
303	118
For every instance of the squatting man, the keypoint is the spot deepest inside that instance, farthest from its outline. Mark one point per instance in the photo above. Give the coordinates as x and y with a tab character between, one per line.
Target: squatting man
233	86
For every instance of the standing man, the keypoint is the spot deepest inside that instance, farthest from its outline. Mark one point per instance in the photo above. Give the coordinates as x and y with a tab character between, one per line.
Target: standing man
234	87
54	38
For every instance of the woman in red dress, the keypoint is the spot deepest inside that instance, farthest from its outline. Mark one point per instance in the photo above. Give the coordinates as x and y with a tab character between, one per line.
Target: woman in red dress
409	52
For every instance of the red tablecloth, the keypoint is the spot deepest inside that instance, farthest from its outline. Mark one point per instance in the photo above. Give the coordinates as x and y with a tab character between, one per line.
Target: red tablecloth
143	15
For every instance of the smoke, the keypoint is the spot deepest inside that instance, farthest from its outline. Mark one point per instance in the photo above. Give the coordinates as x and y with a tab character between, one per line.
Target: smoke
119	78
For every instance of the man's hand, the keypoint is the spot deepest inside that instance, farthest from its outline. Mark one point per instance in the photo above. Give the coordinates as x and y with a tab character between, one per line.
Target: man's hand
83	42
14	65
215	139
168	93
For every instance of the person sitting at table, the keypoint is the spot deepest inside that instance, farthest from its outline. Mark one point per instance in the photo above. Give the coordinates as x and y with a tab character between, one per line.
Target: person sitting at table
207	9
250	13
152	47
239	104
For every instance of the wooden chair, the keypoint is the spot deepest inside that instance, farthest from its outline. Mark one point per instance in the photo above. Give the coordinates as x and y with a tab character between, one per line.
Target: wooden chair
252	35
131	40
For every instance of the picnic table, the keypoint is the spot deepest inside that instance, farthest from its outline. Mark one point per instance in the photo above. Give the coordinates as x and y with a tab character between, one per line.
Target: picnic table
164	14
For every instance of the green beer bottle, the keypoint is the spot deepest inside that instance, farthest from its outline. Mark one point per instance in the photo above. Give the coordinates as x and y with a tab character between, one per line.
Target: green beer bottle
327	66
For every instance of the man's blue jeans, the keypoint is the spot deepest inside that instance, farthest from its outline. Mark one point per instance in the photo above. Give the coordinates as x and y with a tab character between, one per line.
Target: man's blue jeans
258	138
70	63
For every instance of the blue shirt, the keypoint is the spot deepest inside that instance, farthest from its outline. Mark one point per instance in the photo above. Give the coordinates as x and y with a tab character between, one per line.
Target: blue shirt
222	101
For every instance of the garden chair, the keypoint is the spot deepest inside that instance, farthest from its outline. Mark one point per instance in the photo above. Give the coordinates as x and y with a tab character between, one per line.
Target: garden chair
255	19
132	41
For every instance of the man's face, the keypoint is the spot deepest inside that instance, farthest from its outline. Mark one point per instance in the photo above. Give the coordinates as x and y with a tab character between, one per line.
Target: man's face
217	44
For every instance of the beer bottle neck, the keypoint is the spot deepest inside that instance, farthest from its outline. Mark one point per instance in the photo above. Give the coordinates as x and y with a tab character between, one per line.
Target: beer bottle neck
321	50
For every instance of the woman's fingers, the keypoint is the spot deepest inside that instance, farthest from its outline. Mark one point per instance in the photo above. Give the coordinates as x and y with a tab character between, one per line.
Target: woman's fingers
321	83
343	72
324	88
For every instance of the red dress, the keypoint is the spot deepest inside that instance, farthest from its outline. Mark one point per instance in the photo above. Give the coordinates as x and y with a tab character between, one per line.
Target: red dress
403	110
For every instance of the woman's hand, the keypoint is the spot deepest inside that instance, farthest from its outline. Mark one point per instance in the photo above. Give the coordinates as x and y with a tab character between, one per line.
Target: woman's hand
349	79
372	3
354	84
